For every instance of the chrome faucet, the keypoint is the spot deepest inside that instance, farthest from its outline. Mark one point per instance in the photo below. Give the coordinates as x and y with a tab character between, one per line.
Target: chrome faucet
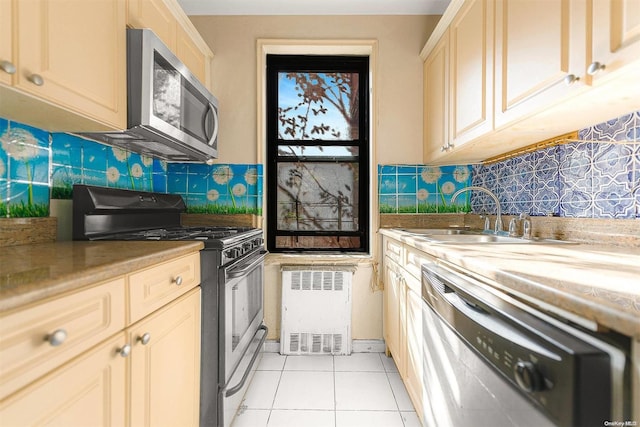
498	225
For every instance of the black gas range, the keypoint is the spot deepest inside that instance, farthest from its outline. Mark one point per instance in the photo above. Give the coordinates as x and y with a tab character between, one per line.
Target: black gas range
232	288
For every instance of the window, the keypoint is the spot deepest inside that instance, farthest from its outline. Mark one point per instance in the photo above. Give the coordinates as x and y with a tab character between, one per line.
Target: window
317	153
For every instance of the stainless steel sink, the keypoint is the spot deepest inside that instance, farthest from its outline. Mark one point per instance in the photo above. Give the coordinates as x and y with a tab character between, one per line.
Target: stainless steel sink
440	231
465	236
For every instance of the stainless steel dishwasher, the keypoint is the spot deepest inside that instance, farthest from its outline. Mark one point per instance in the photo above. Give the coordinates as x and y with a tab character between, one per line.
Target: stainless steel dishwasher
491	360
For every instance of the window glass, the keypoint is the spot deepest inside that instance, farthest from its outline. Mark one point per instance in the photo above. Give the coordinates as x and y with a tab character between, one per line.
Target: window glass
318	153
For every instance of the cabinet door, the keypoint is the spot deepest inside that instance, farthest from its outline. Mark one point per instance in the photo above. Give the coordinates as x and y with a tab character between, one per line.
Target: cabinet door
471	47
192	56
40	338
436	100
6	52
153	14
413	378
156	286
165	365
73	54
539	43
615	27
89	390
393	290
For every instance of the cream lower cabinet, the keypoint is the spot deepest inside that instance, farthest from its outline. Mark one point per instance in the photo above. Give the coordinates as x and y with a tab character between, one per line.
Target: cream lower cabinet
76	361
403	319
165	365
91	390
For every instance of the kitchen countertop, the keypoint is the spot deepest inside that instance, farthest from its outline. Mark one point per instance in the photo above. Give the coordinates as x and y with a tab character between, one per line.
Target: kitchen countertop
29	273
598	283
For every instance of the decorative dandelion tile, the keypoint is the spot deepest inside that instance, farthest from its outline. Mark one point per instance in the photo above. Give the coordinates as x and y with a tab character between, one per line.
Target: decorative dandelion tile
63	178
198	169
407	184
28	200
28	135
387	204
97	178
388	184
197	184
67	150
407	204
159	183
406	169
387	169
177	184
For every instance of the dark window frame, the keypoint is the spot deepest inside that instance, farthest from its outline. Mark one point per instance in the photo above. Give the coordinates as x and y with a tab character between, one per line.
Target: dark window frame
318	63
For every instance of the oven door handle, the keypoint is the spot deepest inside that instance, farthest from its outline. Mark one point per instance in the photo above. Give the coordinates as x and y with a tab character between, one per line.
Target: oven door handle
233	390
243	267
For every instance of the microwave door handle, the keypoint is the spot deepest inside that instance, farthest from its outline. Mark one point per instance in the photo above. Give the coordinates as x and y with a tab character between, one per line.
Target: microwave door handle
214	116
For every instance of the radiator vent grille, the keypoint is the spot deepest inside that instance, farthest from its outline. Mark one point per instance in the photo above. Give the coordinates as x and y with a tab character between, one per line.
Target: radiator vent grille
316	311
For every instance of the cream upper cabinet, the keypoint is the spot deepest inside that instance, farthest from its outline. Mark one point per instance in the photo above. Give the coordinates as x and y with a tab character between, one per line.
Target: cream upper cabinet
539	55
167	19
165	365
7	66
436	100
73	55
471	71
156	15
615	36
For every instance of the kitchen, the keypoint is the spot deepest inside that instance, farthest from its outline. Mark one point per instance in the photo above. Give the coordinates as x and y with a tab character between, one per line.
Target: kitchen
396	42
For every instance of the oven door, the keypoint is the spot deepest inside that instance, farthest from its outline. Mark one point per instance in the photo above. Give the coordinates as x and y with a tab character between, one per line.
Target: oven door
241	305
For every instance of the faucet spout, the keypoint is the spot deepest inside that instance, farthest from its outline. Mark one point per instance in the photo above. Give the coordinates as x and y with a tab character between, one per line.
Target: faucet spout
498	225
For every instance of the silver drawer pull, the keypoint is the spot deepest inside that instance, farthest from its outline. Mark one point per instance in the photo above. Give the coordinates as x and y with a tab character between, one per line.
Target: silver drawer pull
36	79
57	337
7	67
145	338
125	351
177	280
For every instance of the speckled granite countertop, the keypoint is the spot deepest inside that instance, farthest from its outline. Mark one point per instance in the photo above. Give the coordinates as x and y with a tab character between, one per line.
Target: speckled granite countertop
29	273
598	283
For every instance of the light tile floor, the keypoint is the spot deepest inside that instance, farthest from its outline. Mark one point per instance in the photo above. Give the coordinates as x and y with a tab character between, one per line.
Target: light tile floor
363	389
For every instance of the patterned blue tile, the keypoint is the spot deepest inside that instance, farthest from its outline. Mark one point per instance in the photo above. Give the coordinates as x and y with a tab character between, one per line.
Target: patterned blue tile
615	129
576	204
613	207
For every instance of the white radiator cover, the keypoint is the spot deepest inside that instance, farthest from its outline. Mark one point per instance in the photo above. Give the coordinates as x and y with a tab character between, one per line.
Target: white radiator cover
316	310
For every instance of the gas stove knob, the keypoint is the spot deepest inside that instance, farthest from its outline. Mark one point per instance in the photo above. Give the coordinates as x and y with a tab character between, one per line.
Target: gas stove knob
528	377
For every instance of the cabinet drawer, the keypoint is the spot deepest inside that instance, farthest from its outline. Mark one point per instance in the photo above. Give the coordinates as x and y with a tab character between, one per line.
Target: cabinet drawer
86	317
413	262
154	287
392	249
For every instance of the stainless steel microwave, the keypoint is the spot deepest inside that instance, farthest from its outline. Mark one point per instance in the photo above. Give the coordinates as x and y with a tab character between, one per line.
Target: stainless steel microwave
170	114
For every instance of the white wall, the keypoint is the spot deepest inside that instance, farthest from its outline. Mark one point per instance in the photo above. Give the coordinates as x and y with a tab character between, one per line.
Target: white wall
398	80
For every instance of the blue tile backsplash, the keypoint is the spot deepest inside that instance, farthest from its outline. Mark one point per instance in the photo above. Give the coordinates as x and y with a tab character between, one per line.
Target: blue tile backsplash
36	166
595	177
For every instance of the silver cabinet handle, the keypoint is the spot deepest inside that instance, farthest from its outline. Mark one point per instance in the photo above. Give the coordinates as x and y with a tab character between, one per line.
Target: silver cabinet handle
177	280
36	79
125	351
446	147
145	338
594	68
571	79
7	67
57	337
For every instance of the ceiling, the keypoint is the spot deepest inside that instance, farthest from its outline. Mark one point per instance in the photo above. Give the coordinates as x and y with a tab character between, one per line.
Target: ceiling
314	7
